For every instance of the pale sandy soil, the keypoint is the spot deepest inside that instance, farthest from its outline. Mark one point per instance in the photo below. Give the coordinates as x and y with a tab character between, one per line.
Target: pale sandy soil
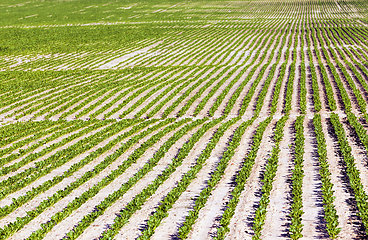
107	218
49	154
185	101
132	229
154	96
359	153
57	116
212	100
347	213
39	142
194	105
241	223
27	230
131	103
21	211
208	216
203	51
117	103
277	221
354	103
54	91
312	219
176	215
116	61
253	101
280	102
221	107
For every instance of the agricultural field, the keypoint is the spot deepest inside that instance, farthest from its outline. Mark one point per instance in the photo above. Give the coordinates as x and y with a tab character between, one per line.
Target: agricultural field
167	119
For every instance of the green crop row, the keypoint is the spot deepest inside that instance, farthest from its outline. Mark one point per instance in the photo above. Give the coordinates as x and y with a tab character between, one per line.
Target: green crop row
10	228
269	175
330	214
296	213
241	178
353	173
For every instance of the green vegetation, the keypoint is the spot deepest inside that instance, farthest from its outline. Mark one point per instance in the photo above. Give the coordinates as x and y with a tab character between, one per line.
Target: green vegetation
183	119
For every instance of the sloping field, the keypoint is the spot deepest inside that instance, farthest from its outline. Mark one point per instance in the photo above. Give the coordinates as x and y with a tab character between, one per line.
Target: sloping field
183	119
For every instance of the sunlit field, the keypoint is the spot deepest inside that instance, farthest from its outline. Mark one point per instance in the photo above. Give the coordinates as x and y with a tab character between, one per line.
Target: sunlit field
166	119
